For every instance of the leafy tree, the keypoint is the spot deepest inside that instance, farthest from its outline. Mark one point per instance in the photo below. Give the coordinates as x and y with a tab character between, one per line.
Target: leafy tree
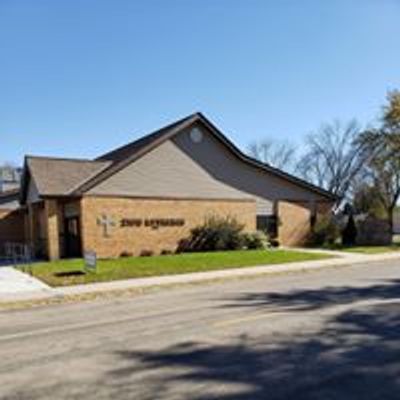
366	201
383	145
391	112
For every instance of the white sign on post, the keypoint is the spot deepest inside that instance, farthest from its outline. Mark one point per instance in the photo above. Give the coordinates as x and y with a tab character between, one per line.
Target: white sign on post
90	261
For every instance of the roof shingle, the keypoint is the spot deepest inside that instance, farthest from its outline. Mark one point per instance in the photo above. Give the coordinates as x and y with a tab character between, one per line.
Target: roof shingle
59	176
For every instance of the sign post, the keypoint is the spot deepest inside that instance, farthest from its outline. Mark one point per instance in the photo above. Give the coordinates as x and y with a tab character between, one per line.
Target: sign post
90	261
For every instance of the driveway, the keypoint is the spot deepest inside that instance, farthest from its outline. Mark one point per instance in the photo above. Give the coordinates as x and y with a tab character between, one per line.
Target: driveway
326	334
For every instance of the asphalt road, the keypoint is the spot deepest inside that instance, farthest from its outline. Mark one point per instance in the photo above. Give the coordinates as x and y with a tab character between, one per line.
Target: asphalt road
332	334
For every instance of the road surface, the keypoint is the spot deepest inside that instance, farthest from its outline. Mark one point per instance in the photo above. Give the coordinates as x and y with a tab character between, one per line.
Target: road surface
331	334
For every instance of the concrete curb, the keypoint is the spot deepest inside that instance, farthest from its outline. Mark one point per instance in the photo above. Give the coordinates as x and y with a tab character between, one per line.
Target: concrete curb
342	260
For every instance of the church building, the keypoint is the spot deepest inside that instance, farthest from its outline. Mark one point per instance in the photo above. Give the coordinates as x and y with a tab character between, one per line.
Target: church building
148	195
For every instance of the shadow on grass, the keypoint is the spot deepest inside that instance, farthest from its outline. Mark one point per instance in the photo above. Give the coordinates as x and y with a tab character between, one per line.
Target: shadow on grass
68	274
355	355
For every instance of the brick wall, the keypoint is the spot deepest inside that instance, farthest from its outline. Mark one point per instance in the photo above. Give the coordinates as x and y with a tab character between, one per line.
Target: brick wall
136	239
294	223
52	228
295	220
12	226
37	235
324	208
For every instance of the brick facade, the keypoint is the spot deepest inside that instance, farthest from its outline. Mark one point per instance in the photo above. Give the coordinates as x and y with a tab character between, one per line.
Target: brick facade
46	223
295	220
135	239
37	235
52	228
12	226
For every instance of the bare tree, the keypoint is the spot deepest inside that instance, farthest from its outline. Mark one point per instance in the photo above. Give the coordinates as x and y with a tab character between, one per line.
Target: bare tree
333	157
278	154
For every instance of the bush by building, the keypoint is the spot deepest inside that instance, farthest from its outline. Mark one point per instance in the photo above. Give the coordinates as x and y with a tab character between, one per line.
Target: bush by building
214	234
218	234
349	233
325	232
256	240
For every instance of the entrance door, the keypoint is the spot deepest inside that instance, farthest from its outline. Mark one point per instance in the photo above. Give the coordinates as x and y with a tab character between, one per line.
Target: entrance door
72	237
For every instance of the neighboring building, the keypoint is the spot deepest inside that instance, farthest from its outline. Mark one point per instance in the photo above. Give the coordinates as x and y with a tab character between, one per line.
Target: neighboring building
10	178
149	194
9	200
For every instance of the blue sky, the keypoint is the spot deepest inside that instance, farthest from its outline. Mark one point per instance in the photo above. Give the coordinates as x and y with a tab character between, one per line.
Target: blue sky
78	78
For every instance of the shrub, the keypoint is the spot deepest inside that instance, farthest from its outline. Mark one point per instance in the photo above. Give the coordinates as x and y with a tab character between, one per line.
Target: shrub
215	234
146	253
126	254
166	252
273	242
255	240
349	233
325	232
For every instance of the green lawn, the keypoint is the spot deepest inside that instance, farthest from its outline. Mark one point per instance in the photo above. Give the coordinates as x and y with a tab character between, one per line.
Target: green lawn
395	246
71	272
372	249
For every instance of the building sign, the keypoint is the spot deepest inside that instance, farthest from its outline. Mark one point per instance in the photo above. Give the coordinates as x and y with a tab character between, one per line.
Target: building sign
90	260
153	223
106	223
131	222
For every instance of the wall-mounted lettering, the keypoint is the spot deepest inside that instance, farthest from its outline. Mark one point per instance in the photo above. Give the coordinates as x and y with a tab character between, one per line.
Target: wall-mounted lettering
131	222
153	223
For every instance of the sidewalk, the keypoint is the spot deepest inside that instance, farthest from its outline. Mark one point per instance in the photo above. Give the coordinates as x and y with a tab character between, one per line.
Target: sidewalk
42	291
341	259
15	284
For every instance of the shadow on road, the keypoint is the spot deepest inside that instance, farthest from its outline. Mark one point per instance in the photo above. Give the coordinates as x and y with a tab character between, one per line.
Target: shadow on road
355	355
308	300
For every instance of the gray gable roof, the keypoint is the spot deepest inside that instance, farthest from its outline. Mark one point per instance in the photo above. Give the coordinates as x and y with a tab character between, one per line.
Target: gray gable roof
122	153
73	177
59	176
125	155
129	153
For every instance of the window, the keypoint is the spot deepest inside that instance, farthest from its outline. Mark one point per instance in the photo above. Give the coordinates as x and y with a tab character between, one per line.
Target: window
268	224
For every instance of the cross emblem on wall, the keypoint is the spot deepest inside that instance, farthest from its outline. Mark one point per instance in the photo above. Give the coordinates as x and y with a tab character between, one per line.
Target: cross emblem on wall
106	222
